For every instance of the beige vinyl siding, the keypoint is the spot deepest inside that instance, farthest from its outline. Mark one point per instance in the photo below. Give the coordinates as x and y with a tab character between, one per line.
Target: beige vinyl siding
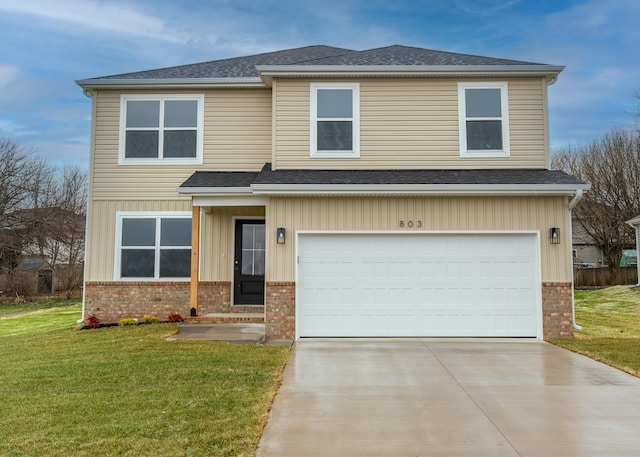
216	233
101	230
409	123
237	137
217	236
435	214
339	214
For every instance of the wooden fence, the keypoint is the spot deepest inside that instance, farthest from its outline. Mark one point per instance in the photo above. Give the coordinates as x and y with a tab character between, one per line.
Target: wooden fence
594	277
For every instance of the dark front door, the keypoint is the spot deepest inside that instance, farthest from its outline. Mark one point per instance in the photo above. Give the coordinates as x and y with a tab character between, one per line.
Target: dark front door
248	274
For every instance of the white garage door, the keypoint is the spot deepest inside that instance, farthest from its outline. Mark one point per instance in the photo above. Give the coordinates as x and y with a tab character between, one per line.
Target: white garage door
385	285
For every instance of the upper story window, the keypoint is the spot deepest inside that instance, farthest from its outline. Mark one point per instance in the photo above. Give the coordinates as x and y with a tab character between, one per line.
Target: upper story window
335	120
153	246
161	129
484	119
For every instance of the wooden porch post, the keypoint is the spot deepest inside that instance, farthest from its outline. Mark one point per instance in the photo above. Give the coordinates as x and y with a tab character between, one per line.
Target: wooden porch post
195	254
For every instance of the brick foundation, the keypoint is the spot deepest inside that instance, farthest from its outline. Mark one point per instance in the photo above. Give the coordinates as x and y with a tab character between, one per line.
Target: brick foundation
280	310
112	301
557	315
214	297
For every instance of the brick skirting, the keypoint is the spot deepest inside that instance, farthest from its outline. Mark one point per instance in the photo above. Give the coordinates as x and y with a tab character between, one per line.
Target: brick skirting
280	310
112	301
214	297
557	314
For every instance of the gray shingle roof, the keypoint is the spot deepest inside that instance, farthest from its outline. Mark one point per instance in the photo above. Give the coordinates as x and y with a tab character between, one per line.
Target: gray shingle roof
220	179
32	264
491	176
237	67
245	67
406	55
381	177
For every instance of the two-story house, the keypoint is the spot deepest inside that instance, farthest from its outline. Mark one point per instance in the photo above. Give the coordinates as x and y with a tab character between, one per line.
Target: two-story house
391	192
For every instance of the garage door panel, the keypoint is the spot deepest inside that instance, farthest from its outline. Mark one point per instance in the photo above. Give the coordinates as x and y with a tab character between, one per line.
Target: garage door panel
417	285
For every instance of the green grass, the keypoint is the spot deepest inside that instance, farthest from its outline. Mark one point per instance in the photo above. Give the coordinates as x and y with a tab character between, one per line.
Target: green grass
34	319
12	309
610	320
129	391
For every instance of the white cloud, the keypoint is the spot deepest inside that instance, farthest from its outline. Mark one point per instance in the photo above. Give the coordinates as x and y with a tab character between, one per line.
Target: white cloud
8	74
484	7
596	18
9	128
15	85
108	17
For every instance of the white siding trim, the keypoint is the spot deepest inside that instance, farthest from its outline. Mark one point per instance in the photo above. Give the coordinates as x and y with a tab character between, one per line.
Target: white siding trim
197	160
355	120
462	119
120	215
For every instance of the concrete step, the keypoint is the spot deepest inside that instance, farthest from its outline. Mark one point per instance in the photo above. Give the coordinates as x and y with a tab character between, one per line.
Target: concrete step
233	333
246	309
227	318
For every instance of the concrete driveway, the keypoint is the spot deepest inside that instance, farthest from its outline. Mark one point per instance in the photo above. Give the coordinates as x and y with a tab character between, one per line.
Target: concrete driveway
425	397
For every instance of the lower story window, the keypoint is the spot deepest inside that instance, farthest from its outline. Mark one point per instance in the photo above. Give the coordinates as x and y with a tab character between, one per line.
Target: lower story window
153	246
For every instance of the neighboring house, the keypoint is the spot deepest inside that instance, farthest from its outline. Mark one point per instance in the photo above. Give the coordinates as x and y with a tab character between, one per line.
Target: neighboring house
586	253
392	192
635	223
33	275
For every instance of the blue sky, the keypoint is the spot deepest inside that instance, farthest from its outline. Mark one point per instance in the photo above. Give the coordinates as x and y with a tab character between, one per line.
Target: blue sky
45	46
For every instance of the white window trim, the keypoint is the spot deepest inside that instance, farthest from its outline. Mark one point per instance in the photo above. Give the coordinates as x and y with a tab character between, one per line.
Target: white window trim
355	121
120	215
462	118
197	160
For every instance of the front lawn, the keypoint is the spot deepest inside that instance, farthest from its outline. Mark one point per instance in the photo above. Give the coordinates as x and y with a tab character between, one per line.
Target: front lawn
129	391
610	320
9	308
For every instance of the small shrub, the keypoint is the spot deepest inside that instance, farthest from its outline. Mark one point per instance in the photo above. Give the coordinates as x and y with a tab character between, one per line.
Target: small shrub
93	321
128	321
175	317
151	320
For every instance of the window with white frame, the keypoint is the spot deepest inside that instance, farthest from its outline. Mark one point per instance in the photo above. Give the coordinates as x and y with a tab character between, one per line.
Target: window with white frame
484	119
161	129
153	246
335	120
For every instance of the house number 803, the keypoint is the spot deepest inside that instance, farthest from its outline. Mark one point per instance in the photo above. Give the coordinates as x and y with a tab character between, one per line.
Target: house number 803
411	224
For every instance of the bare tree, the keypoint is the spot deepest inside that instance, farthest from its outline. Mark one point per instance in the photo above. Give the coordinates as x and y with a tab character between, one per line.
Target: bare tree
42	211
612	165
67	237
20	174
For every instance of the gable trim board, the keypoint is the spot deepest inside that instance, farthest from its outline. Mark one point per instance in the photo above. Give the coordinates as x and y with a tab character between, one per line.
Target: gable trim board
418	284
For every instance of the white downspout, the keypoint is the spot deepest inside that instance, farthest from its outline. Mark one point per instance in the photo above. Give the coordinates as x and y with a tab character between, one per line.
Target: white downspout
574	201
86	224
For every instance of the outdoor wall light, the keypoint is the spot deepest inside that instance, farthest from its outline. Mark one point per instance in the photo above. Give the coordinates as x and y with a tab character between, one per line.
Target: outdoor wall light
554	235
281	235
